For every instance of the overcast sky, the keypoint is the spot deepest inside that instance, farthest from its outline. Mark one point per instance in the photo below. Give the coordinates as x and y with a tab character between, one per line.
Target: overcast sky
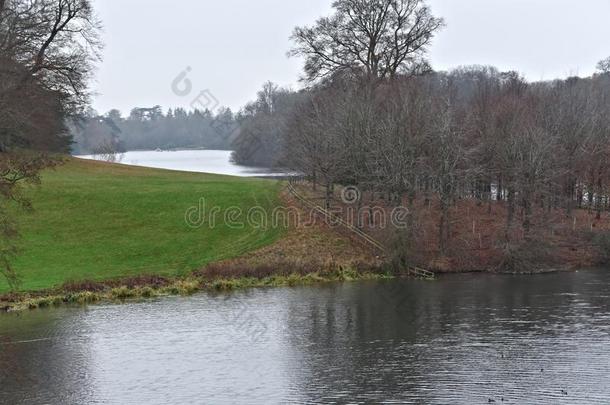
233	46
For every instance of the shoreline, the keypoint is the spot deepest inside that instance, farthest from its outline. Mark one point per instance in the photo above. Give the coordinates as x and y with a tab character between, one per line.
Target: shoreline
287	261
143	287
149	286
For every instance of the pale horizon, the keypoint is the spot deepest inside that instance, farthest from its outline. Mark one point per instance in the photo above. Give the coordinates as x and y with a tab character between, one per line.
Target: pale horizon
541	39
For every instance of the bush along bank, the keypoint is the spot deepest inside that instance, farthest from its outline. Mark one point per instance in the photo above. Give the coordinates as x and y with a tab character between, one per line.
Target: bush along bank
217	277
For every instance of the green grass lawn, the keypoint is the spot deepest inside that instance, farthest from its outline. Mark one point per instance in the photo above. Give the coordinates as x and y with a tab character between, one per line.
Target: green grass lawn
99	221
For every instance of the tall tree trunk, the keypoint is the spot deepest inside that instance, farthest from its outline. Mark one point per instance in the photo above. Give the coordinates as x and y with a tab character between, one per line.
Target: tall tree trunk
527	214
510	197
443	228
571	190
599	198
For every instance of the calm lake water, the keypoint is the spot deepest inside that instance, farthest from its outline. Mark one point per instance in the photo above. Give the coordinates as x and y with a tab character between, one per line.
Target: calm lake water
201	161
463	339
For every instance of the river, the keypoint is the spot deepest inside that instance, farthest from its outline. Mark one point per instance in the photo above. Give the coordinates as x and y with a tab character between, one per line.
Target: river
463	339
200	161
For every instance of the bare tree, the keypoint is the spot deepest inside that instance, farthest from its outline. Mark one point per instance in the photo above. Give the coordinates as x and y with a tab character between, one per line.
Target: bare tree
447	158
378	37
46	51
395	147
56	41
315	143
604	65
263	127
107	151
471	133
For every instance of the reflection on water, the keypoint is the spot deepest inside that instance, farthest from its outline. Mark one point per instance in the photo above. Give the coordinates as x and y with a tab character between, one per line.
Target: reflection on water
464	339
200	161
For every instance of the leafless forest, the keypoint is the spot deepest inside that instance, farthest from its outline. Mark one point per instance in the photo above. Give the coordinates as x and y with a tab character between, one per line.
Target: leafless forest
484	159
375	115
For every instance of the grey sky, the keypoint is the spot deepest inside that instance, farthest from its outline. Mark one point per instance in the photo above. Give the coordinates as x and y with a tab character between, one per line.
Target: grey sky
234	46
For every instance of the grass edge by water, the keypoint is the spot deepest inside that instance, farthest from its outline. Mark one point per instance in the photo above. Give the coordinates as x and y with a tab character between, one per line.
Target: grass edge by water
121	291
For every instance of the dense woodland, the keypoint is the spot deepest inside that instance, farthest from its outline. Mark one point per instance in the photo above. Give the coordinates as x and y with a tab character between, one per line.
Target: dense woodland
372	114
375	115
151	129
470	132
378	119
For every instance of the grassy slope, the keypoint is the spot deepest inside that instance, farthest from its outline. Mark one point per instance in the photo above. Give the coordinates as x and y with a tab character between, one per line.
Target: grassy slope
98	221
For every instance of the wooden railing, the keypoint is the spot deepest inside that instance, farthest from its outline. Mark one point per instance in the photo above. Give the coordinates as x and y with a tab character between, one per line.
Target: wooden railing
421	273
334	219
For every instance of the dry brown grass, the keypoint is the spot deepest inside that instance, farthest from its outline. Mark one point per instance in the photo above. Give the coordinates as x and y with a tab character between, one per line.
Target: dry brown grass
152	281
306	248
478	233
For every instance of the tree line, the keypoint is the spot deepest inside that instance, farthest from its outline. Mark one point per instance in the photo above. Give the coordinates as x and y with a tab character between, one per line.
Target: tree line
152	129
374	118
